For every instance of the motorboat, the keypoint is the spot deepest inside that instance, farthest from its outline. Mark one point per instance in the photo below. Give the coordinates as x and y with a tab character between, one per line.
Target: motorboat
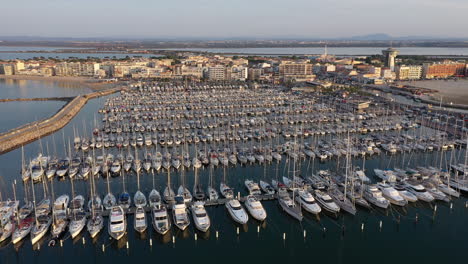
401	188
419	191
374	196
255	208
200	216
391	194
179	213
117	223
140	223
236	211
161	221
326	202
307	201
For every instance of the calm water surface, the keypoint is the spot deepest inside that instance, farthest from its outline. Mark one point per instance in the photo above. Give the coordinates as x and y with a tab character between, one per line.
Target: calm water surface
431	239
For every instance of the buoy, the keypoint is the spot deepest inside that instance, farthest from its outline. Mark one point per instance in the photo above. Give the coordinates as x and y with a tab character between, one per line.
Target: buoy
103	248
61	243
238	230
128	245
435	208
258	229
151	242
416	217
83	241
195	236
173	239
217	234
451	206
324	229
362	227
284	236
305	233
380	224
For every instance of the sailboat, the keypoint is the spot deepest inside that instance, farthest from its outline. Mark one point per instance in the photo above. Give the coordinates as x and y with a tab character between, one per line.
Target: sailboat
154	197
212	193
43	220
168	192
96	221
139	198
183	191
287	204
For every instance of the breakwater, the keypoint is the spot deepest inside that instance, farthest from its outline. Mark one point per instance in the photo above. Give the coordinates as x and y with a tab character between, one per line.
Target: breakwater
32	131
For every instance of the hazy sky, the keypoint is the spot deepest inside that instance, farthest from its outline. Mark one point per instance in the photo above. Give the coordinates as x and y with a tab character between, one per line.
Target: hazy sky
233	18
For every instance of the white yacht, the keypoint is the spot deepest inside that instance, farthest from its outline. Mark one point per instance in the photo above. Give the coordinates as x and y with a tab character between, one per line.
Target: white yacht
161	221
410	197
117	223
391	194
307	201
374	196
419	191
200	216
255	208
253	187
179	213
326	202
140	223
236	211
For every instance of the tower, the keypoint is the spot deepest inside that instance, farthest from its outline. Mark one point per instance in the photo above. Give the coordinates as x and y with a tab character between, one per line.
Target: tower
390	55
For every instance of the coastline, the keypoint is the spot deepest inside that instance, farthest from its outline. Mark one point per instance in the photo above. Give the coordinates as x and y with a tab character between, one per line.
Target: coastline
93	84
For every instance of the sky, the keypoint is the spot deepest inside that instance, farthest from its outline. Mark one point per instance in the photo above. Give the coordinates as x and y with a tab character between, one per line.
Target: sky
233	18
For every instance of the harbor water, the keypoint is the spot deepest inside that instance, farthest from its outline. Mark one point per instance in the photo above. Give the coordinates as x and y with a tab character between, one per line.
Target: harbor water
416	233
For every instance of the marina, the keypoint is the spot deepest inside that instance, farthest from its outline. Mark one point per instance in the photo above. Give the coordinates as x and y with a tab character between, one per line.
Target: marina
260	164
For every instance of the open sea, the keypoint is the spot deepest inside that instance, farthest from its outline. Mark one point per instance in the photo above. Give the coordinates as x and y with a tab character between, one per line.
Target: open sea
414	234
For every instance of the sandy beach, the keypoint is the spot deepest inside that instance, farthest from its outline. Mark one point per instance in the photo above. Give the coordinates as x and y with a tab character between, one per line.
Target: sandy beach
90	83
450	90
